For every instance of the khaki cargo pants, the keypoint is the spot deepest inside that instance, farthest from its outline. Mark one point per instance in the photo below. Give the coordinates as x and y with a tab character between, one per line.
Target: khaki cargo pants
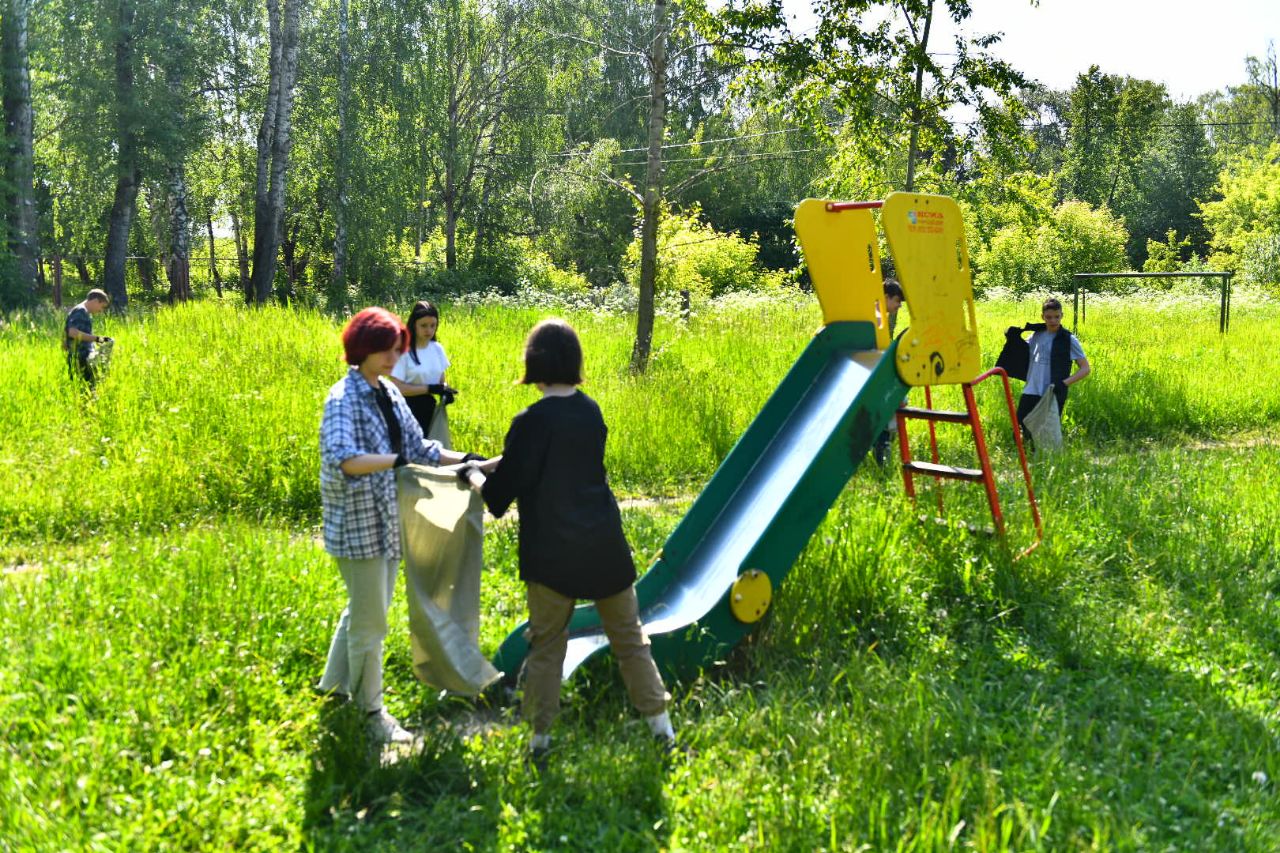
548	633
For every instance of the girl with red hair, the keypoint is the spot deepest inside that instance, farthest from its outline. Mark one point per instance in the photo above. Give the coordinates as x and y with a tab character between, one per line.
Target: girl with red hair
368	431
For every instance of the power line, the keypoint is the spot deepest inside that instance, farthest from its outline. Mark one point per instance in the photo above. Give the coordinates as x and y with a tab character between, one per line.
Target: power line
1038	125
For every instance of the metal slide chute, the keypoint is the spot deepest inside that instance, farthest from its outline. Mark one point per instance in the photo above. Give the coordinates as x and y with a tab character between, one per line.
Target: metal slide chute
718	570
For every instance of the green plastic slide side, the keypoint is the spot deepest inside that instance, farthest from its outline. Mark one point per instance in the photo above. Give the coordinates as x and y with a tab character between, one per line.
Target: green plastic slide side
684	652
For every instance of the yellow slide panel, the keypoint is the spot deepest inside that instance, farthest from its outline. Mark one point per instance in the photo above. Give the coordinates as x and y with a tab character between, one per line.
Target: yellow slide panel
843	254
926	239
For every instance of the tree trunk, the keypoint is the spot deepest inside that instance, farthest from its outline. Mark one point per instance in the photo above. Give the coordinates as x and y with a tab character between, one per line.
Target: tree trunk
913	147
146	274
178	266
456	65
450	192
128	165
57	281
273	147
652	189
480	248
338	275
263	237
422	212
213	254
242	255
24	224
82	270
289	251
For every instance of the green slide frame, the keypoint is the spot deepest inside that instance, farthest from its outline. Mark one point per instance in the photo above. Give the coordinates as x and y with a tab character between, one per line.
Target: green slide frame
828	463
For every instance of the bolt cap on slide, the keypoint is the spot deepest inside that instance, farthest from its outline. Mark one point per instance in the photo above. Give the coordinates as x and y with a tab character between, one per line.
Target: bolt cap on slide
750	595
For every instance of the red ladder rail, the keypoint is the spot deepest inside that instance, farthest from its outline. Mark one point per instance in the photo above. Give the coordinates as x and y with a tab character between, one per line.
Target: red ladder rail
985	474
1022	452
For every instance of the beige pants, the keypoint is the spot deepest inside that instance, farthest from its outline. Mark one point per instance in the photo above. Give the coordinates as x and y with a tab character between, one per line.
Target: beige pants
355	655
548	633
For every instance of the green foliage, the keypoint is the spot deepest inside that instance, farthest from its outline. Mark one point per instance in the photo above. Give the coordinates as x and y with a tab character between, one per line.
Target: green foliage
1076	238
994	201
1086	239
871	65
695	257
14	293
1134	151
1244	220
1014	260
1167	256
1247	115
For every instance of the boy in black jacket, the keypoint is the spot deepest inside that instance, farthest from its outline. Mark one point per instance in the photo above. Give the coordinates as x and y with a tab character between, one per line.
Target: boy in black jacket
1044	361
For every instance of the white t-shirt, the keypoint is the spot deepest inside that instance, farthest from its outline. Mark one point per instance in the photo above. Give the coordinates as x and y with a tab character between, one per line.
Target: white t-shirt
429	369
1039	377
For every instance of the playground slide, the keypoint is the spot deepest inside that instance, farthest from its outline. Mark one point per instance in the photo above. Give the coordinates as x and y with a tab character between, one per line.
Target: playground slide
715	575
759	509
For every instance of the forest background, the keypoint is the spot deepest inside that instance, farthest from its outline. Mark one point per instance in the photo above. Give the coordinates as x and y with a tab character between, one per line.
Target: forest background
335	153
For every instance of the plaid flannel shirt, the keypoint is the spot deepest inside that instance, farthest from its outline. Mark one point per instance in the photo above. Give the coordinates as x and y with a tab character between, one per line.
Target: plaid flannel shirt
360	515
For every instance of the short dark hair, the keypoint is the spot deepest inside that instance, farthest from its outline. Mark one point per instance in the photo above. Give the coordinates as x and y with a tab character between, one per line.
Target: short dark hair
1051	304
97	295
552	354
892	288
373	330
422	308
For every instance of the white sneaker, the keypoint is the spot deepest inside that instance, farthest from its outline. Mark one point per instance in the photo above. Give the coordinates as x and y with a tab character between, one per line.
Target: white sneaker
385	728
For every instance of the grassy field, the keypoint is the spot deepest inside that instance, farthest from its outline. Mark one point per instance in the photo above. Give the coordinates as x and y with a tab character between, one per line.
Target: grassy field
165	609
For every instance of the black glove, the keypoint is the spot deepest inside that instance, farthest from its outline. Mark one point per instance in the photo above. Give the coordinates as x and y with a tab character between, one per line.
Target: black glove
464	473
445	393
475	457
401	461
1059	387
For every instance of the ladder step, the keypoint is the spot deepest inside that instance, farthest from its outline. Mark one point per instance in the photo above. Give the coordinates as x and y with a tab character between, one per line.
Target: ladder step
934	415
973	475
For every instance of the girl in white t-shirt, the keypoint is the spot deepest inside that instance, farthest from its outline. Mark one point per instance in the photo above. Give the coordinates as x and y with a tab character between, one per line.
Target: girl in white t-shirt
419	374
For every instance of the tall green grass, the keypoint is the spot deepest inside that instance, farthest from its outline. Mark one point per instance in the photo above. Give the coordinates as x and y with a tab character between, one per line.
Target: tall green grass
211	410
165	609
912	689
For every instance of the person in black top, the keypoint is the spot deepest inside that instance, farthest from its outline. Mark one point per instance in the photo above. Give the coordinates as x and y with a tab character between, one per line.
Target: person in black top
78	337
893	299
571	541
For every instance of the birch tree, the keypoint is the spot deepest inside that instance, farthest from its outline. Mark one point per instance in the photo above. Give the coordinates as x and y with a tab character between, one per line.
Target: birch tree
23	219
338	274
274	139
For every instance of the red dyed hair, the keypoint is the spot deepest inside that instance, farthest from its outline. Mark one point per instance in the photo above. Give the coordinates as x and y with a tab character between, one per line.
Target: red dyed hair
373	330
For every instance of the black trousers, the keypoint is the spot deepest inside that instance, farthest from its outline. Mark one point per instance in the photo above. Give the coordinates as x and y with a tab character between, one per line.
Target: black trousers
423	407
78	366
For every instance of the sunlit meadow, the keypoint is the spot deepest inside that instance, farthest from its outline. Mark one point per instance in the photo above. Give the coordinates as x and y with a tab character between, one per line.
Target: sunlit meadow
165	608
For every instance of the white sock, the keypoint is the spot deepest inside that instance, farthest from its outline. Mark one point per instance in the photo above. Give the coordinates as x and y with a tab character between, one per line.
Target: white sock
660	725
541	742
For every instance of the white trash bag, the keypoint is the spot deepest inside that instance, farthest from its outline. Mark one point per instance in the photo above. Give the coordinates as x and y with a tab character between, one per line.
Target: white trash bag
1044	423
